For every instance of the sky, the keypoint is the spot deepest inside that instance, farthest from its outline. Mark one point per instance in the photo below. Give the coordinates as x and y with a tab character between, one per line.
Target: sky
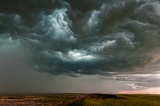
80	46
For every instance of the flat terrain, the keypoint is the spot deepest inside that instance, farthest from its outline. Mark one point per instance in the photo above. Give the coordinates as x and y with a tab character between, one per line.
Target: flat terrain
79	100
39	100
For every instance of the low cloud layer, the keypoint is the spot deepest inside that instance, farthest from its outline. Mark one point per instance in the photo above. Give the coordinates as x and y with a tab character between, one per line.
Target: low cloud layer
78	37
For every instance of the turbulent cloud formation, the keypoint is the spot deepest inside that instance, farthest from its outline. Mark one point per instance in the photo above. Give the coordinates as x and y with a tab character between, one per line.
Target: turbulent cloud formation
79	37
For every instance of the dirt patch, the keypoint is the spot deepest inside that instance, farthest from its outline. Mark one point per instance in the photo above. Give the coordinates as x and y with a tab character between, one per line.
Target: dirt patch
38	100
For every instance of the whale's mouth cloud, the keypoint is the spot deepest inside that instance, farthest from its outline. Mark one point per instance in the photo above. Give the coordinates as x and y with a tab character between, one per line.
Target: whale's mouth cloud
79	37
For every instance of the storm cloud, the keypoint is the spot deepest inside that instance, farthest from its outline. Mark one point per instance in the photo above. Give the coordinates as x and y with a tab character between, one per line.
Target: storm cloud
76	37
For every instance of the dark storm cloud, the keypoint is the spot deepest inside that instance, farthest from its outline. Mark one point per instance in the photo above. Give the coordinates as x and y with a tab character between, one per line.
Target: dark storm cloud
77	37
28	10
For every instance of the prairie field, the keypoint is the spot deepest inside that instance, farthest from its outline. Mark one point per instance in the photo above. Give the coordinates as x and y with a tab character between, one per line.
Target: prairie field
80	100
118	100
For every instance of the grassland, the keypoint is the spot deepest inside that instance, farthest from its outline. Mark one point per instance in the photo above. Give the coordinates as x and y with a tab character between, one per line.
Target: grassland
80	100
39	99
118	100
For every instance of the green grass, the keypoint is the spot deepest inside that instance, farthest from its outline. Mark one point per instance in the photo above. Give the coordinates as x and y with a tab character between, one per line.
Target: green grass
126	100
110	102
92	99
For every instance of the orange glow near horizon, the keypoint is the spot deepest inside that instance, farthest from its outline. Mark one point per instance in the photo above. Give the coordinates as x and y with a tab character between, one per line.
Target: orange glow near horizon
145	91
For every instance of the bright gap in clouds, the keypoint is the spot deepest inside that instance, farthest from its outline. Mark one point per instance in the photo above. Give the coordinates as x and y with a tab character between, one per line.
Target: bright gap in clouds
155	90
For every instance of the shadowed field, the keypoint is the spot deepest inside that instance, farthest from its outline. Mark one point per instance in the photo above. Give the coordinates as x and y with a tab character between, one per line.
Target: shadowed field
80	100
117	100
